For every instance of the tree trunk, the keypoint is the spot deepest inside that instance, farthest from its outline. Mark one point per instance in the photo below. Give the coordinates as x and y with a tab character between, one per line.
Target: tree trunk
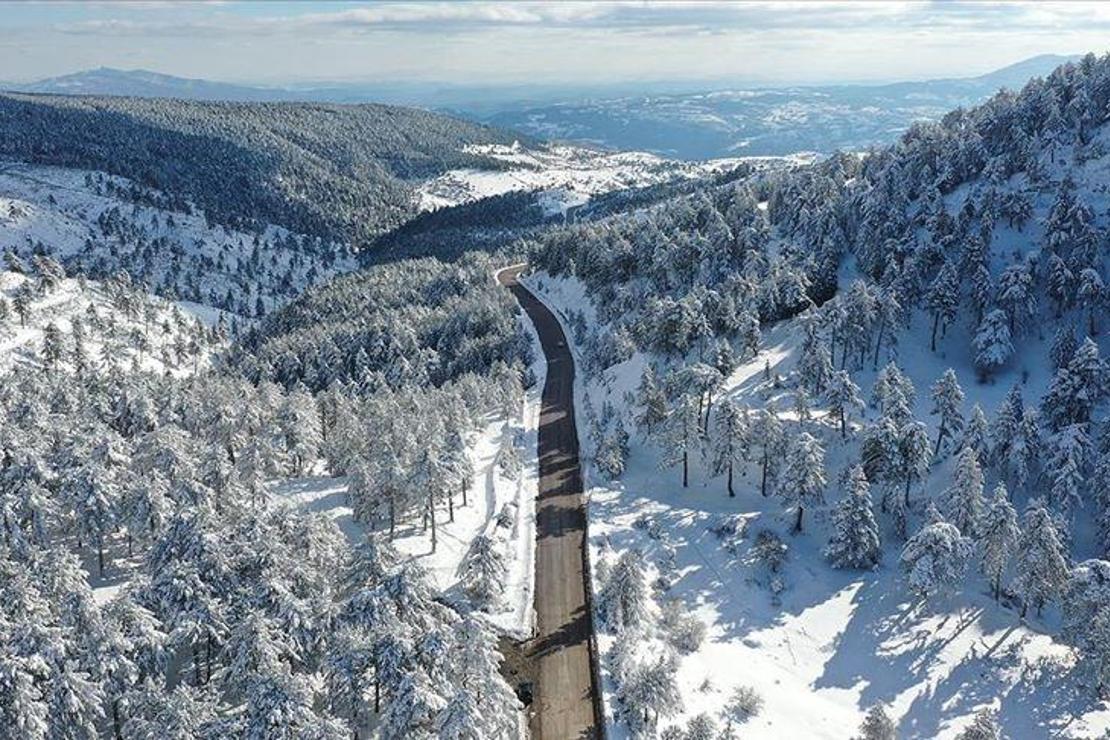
731	493
100	555
843	424
450	507
377	695
709	406
798	521
763	475
196	665
878	344
115	719
464	489
940	438
933	341
685	468
392	519
432	517
909	480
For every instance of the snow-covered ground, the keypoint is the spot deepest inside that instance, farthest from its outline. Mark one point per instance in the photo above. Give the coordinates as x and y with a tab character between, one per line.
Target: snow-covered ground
567	175
821	646
151	334
491	494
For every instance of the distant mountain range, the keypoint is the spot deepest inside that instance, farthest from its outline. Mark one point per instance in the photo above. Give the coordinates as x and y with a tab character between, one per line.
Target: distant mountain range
722	122
763	121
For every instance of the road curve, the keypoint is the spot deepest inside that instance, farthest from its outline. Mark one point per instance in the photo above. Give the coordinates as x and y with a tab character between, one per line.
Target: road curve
566	703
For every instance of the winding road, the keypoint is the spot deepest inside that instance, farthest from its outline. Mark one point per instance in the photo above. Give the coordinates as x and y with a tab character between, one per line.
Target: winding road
566	704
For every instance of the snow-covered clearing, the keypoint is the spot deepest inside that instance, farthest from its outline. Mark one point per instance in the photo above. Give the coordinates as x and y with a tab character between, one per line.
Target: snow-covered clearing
567	175
492	494
820	645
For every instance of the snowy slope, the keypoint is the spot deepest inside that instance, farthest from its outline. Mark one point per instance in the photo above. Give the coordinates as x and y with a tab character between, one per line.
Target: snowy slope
822	646
98	224
568	175
149	333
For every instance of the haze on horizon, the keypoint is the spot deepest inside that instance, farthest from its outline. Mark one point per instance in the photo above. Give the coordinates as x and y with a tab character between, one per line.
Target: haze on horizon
542	43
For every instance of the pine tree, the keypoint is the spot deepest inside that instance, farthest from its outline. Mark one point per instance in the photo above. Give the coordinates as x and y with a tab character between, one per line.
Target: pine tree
1016	297
681	435
976	434
1041	566
983	727
948	397
962	502
1092	293
623	600
877	725
1067	454
76	703
936	557
993	343
1086	623
943	299
843	395
767	432
484	571
649	693
913	457
730	439
802	481
855	539
652	401
997	537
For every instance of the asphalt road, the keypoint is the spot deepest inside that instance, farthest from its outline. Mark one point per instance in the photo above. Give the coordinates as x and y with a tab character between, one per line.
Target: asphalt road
563	707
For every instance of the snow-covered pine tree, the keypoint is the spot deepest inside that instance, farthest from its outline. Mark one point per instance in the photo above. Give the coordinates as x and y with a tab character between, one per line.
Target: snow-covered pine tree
993	343
1041	565
948	397
484	571
997	538
914	455
623	600
936	557
652	402
843	396
943	299
854	542
877	725
767	432
983	727
681	434
1067	453
729	439
802	481
976	434
962	502
1086	624
648	693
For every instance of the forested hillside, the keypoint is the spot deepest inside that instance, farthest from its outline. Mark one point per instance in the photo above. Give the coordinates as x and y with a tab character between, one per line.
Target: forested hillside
896	363
337	172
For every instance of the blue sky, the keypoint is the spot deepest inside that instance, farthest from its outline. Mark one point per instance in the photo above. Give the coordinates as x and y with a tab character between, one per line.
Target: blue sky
490	43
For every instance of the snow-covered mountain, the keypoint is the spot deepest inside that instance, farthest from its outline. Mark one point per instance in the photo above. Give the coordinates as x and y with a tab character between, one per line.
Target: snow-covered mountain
759	121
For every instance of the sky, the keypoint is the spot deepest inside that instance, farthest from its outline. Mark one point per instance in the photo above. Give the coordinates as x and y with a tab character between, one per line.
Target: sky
543	43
